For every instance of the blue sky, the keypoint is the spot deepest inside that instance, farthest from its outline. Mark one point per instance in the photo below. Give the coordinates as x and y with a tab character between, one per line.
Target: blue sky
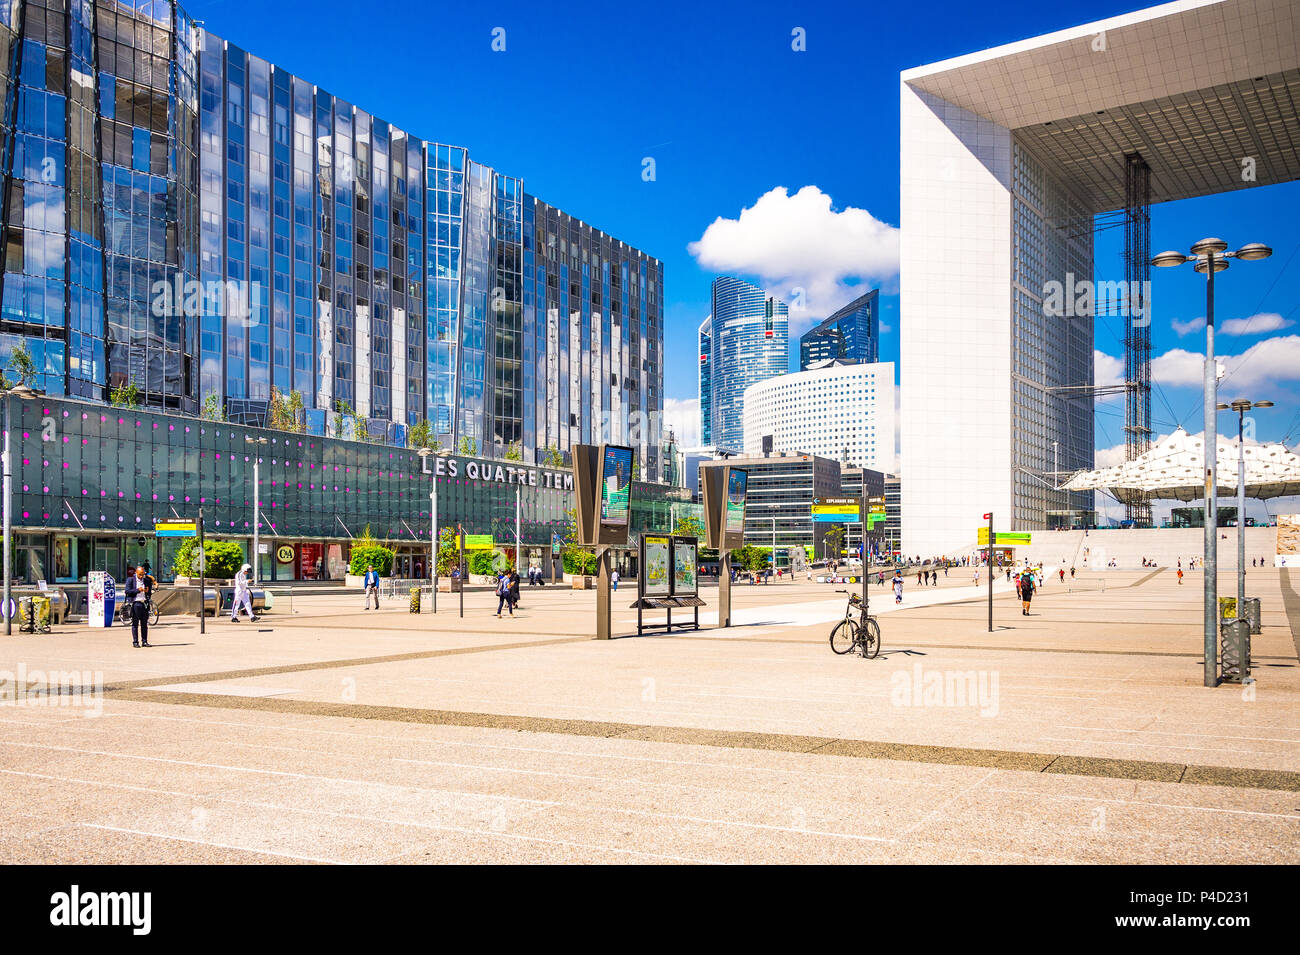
584	92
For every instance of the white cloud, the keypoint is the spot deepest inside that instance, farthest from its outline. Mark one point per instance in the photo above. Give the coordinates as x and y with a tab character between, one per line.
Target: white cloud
1259	324
1107	370
1109	457
801	242
1271	360
1256	324
682	416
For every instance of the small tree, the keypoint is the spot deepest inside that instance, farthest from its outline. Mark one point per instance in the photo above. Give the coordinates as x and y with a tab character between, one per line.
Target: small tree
515	451
420	435
552	458
448	551
212	408
285	412
467	445
835	539
20	369
125	396
577	559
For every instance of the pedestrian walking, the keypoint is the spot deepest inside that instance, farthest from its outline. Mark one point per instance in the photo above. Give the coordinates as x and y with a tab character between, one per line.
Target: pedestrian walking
370	582
139	590
1072	572
1180	576
613	579
898	587
503	595
512	580
243	596
1026	591
1062	575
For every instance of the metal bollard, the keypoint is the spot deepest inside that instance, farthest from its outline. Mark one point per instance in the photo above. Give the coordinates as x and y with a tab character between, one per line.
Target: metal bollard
1234	639
1252	614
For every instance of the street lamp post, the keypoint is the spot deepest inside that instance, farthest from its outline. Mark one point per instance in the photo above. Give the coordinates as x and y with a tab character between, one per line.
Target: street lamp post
433	521
1241	406
257	505
1208	257
24	393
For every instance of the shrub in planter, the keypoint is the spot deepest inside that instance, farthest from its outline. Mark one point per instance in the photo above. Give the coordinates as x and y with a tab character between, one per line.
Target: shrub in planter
363	555
224	558
578	561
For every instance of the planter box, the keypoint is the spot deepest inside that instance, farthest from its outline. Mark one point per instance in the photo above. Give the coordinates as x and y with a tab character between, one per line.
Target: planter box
449	585
208	582
581	582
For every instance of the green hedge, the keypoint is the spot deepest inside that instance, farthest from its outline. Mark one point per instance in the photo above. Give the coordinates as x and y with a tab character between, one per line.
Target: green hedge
224	558
363	555
581	562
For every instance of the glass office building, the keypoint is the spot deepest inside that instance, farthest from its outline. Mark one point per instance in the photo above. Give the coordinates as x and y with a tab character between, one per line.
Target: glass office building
850	336
91	481
186	219
744	341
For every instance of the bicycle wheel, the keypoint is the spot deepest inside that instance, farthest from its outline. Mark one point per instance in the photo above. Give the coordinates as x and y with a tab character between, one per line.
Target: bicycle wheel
154	615
871	639
844	636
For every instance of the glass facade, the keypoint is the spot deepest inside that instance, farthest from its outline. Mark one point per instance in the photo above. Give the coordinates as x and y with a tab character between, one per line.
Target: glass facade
851	335
186	218
88	471
748	341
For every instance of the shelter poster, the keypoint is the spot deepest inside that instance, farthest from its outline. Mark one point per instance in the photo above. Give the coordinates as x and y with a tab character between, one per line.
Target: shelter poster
657	580
1288	541
684	570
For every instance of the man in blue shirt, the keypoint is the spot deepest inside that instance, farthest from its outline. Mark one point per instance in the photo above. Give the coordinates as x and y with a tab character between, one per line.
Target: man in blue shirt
371	584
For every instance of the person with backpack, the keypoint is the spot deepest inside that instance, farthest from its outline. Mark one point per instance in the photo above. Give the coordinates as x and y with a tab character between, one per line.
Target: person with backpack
503	594
1026	588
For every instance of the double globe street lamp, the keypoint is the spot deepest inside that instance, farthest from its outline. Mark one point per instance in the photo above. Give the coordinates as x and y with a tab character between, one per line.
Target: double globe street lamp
1210	256
1241	406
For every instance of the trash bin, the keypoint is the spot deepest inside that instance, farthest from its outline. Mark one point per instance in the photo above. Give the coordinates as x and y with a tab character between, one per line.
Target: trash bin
1234	637
1252	614
34	614
415	600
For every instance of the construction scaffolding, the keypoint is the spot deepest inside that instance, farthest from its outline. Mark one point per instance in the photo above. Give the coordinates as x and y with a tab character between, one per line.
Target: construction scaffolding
1137	324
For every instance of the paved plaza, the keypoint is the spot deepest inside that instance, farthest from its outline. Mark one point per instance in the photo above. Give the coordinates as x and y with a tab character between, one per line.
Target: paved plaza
328	734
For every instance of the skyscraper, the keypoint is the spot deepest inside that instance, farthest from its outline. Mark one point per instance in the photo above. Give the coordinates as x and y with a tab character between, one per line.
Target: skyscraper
747	341
850	336
706	381
187	219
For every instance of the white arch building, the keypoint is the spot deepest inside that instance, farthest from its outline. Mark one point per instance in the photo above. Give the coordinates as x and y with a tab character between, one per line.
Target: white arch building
1006	156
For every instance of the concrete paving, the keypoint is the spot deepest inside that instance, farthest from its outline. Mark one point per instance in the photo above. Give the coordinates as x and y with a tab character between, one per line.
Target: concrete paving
1081	733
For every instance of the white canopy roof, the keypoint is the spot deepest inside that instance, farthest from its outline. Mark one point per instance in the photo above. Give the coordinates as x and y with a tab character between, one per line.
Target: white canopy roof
1174	470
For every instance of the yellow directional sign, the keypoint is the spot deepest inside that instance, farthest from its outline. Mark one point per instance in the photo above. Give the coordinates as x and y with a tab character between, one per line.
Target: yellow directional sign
1003	538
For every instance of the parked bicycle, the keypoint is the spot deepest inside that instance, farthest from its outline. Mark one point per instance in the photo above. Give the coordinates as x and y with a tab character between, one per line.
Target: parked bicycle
152	613
862	634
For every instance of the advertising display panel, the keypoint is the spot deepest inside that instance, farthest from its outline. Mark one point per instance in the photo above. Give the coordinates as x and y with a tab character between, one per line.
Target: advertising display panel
658	567
685	567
